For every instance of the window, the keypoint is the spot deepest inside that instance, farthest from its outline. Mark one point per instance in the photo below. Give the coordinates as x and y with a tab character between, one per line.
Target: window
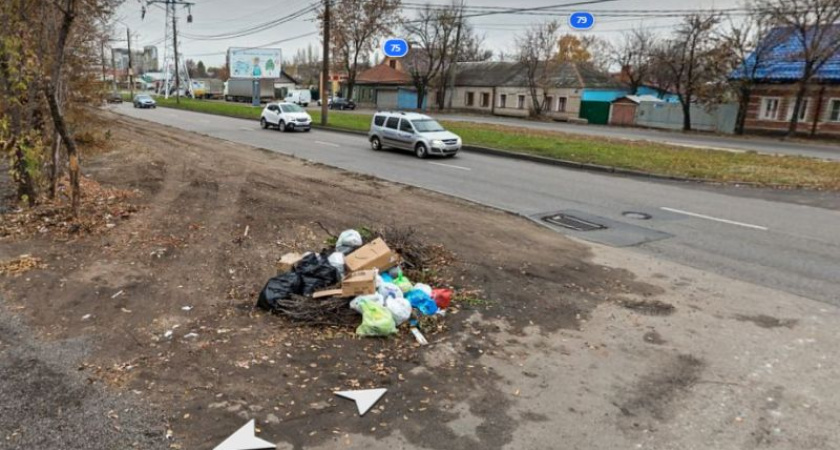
405	125
379	120
803	109
549	101
393	64
470	98
393	122
427	125
834	110
561	104
291	108
520	102
503	101
769	109
485	99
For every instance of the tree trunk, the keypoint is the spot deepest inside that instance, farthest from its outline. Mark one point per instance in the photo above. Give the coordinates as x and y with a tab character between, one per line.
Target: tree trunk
794	120
60	124
686	107
421	94
351	84
820	99
535	101
55	172
743	106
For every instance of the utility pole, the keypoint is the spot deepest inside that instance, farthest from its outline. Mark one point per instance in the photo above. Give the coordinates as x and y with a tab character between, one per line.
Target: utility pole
175	49
114	70
325	70
104	71
455	55
130	64
171	8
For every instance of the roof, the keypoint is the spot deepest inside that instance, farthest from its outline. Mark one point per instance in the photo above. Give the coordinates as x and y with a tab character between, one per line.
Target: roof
640	98
783	60
407	115
383	74
513	74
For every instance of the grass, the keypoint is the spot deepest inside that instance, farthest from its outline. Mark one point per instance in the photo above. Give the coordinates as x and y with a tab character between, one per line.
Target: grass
658	159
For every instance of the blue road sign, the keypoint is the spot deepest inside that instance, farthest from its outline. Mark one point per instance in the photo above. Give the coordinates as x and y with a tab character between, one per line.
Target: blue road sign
395	48
581	21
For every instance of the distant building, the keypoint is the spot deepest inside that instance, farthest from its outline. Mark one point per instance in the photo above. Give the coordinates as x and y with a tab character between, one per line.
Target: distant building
142	61
776	82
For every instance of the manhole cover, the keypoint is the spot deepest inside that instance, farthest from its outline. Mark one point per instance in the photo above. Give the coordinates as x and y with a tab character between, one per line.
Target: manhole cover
636	215
573	223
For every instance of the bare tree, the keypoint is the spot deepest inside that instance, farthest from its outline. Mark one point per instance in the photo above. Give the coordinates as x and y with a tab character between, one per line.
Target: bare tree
633	54
431	36
686	61
355	28
537	51
472	48
813	27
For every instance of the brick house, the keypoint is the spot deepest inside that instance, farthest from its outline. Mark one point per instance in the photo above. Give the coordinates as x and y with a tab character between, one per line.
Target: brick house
385	86
776	83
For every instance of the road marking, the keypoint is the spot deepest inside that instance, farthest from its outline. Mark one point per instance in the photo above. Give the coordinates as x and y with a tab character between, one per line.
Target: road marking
328	144
245	129
716	219
450	166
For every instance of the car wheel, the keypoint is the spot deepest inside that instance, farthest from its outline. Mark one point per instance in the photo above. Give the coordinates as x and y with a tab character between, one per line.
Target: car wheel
375	143
263	123
421	151
281	126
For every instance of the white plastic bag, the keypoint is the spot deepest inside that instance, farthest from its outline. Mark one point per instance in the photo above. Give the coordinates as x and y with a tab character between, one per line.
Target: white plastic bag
390	290
348	238
400	308
356	303
337	260
424	287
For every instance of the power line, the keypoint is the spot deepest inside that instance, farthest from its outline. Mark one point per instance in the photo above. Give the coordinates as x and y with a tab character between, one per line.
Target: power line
254	29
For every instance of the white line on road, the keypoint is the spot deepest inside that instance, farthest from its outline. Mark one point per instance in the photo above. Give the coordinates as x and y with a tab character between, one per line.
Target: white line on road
716	219
328	144
450	166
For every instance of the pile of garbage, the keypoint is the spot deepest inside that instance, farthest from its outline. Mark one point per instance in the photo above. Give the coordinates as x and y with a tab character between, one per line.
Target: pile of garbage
358	277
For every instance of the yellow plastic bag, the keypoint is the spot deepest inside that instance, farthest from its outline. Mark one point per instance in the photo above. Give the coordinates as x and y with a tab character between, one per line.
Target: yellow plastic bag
376	320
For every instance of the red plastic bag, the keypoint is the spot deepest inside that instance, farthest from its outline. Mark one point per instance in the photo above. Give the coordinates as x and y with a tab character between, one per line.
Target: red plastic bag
442	297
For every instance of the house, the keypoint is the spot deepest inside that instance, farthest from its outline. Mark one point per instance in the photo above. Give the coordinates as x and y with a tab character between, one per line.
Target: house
776	79
501	88
385	86
623	112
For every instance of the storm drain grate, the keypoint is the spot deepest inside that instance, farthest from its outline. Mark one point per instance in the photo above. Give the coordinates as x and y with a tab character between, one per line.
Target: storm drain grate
573	223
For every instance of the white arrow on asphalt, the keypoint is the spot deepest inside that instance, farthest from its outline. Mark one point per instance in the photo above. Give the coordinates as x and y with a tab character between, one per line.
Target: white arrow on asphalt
364	398
244	439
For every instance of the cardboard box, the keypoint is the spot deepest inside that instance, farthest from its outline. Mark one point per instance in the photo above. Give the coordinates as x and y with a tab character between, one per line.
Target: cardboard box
328	293
359	283
374	255
287	262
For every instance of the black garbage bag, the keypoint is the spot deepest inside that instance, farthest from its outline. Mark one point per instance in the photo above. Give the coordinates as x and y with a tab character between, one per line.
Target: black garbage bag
316	273
278	288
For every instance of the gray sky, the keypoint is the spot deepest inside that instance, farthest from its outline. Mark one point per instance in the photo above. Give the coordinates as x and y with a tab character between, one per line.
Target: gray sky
213	17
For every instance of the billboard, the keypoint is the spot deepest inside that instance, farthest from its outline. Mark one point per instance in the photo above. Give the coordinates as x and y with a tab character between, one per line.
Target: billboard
255	62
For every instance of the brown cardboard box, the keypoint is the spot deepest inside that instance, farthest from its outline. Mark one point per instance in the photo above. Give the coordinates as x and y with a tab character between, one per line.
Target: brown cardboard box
287	262
359	283
374	255
328	293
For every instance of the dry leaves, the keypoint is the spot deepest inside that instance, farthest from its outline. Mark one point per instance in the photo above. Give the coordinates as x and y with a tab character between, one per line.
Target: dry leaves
19	265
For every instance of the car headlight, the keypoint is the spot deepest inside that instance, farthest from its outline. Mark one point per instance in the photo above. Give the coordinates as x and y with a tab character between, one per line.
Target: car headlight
437	143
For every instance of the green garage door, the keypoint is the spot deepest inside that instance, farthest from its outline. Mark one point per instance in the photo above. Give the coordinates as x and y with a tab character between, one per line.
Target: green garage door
595	112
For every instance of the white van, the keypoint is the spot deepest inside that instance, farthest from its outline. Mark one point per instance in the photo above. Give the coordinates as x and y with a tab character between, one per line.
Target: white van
300	97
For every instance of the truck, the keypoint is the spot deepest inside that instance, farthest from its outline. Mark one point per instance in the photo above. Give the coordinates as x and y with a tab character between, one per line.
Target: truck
213	88
242	90
300	97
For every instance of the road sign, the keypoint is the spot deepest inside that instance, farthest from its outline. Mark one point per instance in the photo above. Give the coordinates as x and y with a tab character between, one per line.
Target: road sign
395	48
581	21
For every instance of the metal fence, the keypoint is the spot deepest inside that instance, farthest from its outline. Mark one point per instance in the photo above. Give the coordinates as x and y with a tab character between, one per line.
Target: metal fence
720	118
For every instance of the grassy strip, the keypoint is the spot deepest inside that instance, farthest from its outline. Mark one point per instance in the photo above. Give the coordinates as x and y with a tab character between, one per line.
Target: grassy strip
711	165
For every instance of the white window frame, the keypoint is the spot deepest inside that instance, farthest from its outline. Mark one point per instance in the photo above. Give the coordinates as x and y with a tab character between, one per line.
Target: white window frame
831	103
520	101
484	99
502	100
469	99
803	111
564	102
762	108
549	103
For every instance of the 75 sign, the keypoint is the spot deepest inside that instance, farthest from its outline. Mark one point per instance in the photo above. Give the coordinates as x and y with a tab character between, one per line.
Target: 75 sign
395	48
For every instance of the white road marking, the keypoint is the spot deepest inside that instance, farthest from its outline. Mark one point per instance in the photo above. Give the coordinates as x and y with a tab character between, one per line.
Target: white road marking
328	144
716	219
450	166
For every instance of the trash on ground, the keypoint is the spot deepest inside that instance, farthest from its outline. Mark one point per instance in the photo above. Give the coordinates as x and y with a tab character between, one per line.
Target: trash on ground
334	287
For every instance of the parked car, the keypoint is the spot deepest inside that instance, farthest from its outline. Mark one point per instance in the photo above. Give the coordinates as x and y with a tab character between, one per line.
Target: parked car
411	131
144	101
329	101
342	104
300	97
285	117
114	97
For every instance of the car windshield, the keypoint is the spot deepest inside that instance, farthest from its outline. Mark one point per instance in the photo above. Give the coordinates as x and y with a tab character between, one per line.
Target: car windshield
426	125
291	108
143	97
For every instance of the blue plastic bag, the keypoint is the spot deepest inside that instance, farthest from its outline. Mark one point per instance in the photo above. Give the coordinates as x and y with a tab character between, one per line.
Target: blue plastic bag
422	301
387	278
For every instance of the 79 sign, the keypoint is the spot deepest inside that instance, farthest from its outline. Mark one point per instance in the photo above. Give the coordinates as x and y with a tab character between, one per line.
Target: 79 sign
395	48
581	21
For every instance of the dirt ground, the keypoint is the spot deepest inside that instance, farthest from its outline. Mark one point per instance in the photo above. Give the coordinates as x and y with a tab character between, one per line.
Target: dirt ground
558	337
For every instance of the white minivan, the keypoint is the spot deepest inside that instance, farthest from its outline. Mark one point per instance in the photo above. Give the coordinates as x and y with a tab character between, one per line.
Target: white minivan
300	97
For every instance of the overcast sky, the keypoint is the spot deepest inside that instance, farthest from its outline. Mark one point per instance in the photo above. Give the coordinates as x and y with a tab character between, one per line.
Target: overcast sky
213	17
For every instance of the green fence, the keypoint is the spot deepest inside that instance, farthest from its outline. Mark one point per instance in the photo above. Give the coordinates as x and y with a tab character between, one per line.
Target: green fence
595	112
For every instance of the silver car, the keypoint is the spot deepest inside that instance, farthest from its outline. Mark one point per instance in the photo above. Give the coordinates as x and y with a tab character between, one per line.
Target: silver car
411	131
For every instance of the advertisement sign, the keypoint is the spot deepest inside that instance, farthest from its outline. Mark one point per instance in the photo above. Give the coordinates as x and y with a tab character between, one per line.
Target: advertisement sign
255	62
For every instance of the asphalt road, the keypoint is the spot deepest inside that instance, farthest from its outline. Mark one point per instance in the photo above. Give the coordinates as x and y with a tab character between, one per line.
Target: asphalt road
823	150
785	246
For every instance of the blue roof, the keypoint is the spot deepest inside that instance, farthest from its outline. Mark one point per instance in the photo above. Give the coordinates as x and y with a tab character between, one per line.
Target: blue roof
783	60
